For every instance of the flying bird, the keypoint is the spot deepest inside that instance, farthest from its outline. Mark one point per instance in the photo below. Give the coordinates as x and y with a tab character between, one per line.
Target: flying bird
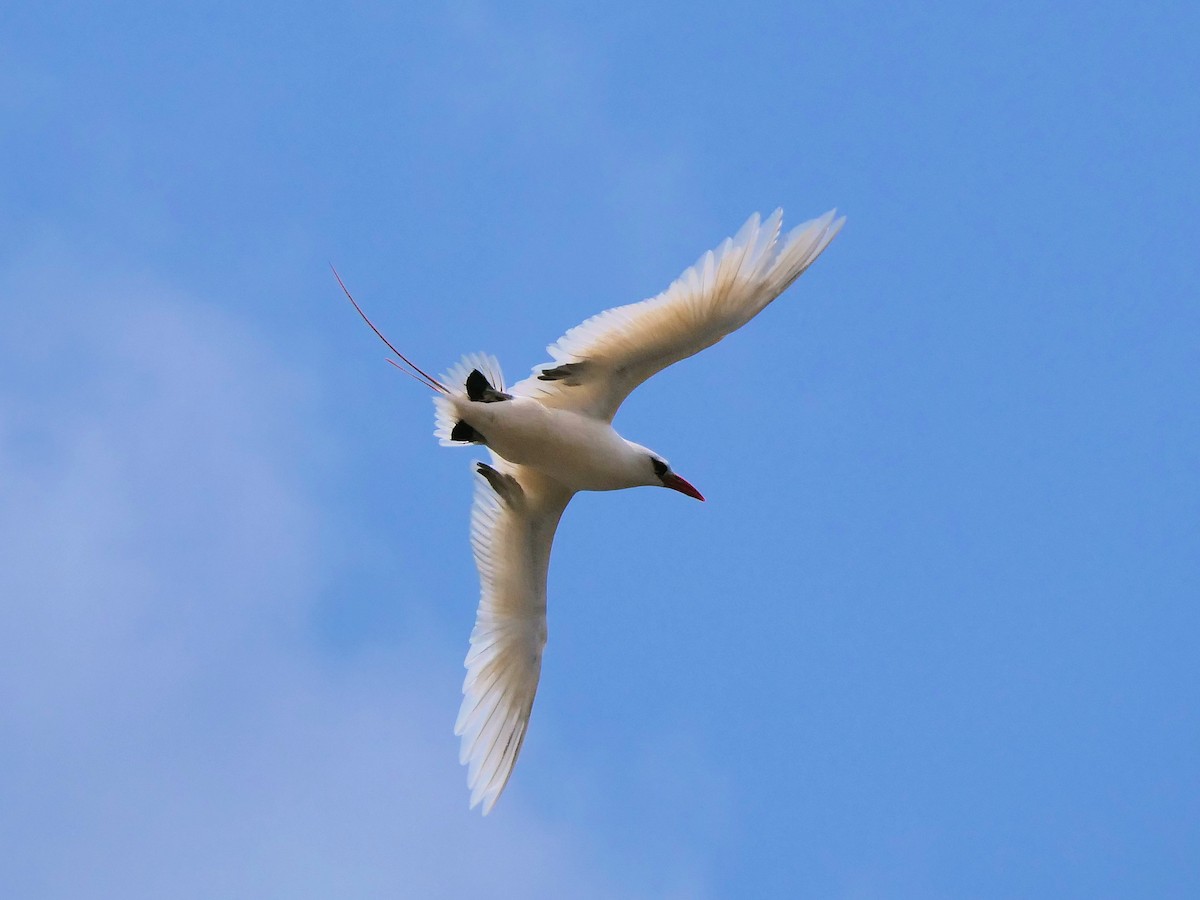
551	436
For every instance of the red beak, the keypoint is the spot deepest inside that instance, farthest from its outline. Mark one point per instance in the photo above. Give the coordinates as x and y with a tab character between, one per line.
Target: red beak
675	483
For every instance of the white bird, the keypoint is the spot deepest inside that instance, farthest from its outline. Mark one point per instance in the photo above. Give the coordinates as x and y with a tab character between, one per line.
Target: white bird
551	435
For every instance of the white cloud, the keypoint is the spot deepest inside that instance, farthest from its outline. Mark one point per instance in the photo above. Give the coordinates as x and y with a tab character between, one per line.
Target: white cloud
169	727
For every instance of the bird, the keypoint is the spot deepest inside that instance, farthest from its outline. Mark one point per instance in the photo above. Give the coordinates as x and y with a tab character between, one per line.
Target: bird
551	436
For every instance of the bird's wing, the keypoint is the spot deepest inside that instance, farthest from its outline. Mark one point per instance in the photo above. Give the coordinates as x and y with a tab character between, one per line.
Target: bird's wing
597	364
512	527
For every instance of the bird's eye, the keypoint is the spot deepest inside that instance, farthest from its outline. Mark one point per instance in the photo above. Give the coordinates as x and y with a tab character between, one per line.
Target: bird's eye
660	467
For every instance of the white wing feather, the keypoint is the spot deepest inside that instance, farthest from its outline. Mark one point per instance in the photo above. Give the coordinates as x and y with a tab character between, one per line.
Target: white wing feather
612	353
513	522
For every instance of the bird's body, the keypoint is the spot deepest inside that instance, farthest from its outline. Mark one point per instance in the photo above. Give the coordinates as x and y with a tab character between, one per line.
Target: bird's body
552	436
579	452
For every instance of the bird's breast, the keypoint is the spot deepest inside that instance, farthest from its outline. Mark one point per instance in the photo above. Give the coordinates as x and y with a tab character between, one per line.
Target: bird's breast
580	452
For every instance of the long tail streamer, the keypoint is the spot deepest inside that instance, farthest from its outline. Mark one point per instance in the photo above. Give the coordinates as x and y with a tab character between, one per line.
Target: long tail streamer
413	369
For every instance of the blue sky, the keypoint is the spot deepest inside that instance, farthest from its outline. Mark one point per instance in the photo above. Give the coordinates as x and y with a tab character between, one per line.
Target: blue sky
932	635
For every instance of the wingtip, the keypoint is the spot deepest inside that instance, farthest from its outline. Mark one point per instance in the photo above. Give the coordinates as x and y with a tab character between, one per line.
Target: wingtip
484	806
484	797
488	802
826	220
819	231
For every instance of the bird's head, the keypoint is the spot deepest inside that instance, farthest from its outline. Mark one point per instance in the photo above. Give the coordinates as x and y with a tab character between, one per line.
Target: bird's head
665	477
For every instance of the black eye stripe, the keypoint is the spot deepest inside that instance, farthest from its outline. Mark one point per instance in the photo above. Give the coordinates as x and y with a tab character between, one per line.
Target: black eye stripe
660	467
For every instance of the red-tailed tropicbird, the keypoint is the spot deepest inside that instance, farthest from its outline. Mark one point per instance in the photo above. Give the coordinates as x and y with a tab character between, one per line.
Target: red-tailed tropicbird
551	435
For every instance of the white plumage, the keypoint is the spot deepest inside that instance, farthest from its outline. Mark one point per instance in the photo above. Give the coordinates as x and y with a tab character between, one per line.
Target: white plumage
552	436
511	533
724	290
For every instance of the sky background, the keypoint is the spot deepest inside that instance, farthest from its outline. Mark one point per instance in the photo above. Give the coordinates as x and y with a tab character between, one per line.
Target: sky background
934	633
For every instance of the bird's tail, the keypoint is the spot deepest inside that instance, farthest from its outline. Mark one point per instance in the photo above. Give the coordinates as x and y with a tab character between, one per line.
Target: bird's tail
463	383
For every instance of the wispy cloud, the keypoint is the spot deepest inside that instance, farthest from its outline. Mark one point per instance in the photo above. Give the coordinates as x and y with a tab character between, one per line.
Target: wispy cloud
170	728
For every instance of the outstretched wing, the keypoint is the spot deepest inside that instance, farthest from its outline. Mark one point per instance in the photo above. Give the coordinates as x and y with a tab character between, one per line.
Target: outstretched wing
597	364
513	521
